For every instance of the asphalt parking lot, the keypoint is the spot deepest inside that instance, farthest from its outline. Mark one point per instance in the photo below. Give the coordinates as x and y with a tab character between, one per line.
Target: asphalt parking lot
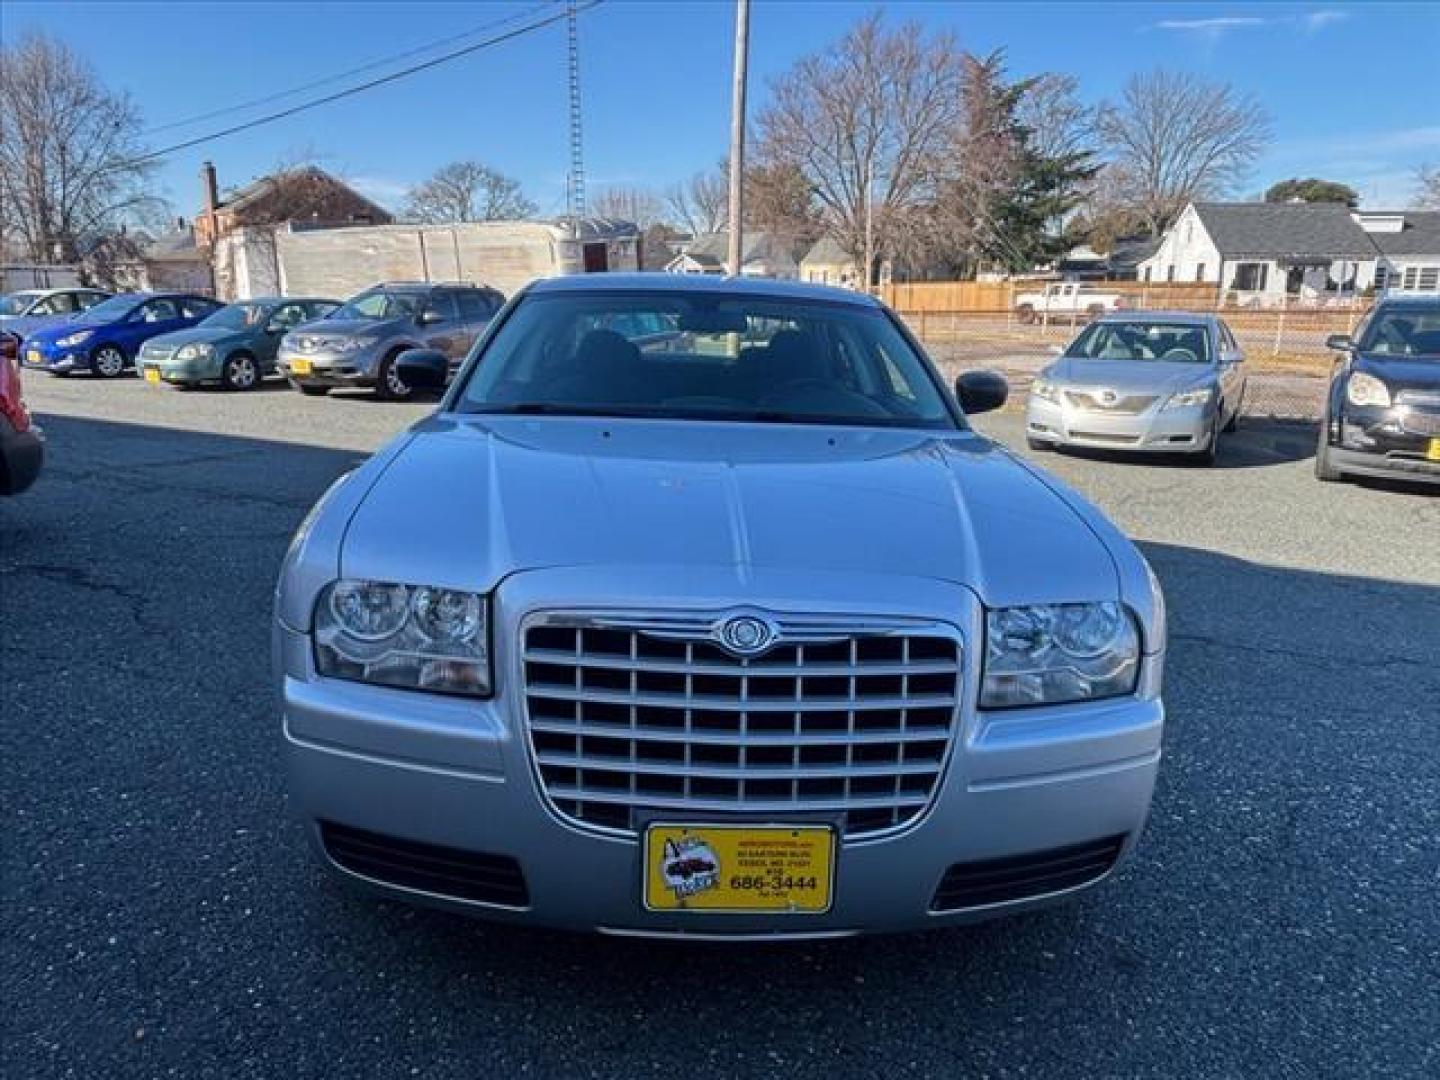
162	917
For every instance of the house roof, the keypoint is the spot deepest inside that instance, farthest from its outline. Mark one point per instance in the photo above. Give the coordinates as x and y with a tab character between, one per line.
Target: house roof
257	189
755	247
827	251
1420	234
1285	230
174	247
1129	252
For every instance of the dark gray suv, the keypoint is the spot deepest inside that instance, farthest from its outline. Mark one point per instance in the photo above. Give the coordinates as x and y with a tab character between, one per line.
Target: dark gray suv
357	343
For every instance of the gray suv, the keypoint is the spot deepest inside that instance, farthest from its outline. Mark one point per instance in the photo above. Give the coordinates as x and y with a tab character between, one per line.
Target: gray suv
356	345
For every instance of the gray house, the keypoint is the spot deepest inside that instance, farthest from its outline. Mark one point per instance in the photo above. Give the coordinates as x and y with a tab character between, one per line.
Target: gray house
762	255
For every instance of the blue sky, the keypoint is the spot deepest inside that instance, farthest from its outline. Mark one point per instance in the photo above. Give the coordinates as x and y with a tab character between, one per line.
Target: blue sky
1345	83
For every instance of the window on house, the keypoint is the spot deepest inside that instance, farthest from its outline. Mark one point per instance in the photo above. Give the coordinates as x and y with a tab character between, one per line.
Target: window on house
1381	273
1408	282
1170	272
1147	273
1251	277
1429	278
1199	271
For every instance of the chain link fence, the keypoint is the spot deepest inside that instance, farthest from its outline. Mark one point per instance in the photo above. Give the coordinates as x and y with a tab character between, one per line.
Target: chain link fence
965	326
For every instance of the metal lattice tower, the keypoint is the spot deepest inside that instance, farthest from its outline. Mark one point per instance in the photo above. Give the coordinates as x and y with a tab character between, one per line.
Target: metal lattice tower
575	189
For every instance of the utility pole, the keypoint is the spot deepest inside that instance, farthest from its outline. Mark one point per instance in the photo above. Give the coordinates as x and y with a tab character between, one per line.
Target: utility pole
869	223
737	137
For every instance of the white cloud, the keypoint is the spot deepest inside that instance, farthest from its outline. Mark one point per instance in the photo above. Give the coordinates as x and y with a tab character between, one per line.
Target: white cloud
1213	28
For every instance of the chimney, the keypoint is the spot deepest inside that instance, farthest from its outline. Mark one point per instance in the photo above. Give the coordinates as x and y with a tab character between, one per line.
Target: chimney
211	187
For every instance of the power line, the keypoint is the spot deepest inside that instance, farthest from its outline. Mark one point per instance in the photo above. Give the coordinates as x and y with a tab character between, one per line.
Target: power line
350	91
371	66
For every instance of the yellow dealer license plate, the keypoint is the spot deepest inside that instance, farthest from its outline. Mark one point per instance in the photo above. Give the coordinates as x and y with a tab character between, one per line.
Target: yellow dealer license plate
1433	452
739	868
35	357
299	367
152	374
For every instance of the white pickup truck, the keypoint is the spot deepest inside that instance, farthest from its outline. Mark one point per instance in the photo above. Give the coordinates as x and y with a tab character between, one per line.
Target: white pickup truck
1065	300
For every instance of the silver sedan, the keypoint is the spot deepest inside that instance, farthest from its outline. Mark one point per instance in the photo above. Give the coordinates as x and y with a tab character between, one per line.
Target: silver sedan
736	631
1151	382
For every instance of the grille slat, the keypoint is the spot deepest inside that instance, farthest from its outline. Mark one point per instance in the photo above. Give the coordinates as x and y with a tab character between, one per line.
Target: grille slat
444	871
1017	877
624	718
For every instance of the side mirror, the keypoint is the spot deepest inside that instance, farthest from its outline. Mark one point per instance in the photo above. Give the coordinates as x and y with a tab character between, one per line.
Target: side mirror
427	317
981	391
424	369
1341	342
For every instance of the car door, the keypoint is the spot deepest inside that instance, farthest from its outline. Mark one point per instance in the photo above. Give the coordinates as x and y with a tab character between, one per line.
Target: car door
1232	367
282	320
151	319
440	324
477	308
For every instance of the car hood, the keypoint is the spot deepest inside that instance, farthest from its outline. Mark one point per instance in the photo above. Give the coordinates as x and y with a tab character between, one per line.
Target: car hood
469	500
1128	376
1402	372
351	327
198	335
23	325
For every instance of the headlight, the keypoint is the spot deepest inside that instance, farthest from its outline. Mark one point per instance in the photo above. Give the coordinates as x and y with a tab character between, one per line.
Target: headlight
351	344
1187	399
1054	653
193	352
413	636
77	338
1363	389
1045	391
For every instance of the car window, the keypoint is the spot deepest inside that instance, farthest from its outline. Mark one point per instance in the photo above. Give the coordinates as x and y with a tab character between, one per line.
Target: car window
380	304
1142	340
706	357
153	311
1228	338
441	305
55	304
287	315
319	309
194	307
87	300
1403	332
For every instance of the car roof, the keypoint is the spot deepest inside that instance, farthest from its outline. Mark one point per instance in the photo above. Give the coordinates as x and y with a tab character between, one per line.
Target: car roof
1188	318
680	284
286	300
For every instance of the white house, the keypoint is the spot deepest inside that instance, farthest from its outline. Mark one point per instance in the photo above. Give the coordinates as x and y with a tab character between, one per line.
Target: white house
1263	253
763	255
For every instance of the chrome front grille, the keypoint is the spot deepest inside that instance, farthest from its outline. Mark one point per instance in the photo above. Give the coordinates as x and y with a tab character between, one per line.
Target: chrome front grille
635	718
1119	404
1420	411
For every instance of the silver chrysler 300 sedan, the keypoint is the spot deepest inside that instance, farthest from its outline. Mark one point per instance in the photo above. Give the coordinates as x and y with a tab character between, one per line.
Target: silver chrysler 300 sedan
1155	381
697	608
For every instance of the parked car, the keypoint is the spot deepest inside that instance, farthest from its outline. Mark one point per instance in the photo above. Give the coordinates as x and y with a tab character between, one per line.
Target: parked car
359	342
1382	414
23	312
236	346
780	599
105	339
1167	382
1064	300
22	448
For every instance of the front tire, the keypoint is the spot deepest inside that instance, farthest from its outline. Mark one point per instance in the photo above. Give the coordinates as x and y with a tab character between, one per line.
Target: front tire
107	362
1206	458
388	384
1325	470
240	372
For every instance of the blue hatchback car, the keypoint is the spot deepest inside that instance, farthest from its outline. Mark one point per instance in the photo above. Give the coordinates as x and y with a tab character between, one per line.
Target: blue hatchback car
105	339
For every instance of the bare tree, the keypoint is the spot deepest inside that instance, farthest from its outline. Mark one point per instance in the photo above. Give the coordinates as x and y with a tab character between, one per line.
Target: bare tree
1427	187
69	174
1056	121
701	204
1178	137
467	191
868	123
636	204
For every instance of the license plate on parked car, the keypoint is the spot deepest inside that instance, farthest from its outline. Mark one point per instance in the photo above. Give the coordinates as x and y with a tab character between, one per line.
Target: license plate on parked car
1432	453
739	868
152	374
34	357
299	367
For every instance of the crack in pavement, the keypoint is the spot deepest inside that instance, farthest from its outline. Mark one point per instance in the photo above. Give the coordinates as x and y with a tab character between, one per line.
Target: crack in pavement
1321	659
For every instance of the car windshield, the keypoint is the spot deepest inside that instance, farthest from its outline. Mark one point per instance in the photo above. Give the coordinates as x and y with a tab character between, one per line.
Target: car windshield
1402	332
239	316
379	304
17	303
705	357
116	307
1141	339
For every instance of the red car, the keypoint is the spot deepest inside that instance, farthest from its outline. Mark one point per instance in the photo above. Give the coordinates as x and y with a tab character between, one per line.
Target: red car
22	448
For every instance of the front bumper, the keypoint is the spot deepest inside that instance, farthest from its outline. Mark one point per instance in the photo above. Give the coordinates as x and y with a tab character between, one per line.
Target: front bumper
1386	442
184	372
457	773
334	370
21	455
1156	430
53	358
